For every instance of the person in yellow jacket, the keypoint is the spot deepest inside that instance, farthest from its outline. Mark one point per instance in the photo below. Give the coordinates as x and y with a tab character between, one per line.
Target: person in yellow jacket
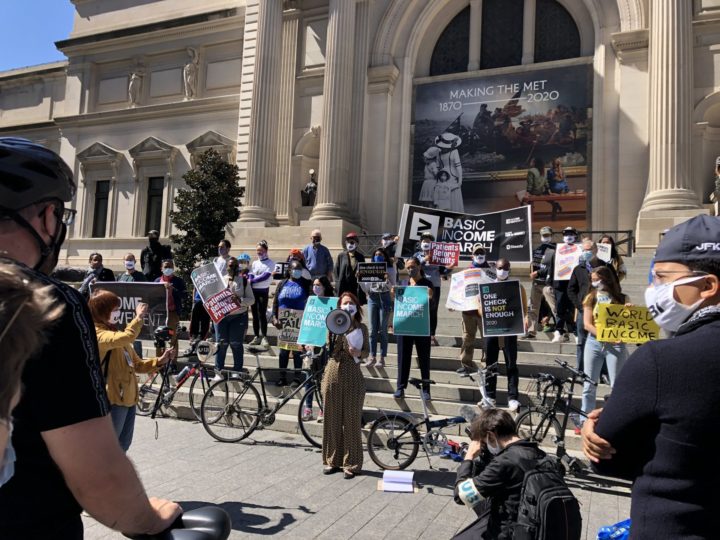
119	361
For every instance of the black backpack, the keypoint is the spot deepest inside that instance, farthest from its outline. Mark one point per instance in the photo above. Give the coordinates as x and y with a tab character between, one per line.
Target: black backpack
548	510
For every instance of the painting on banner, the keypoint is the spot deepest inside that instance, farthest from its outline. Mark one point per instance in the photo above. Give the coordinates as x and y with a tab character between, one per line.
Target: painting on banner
131	294
626	324
502	309
444	253
371	272
504	234
567	257
464	293
289	331
218	300
313	330
411	316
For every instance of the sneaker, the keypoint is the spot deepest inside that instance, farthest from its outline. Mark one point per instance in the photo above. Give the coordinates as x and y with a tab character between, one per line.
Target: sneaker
425	395
217	377
380	363
307	414
264	342
256	341
577	340
529	336
486	403
399	393
513	405
434	341
577	431
321	416
566	338
548	328
463	371
281	382
370	362
557	337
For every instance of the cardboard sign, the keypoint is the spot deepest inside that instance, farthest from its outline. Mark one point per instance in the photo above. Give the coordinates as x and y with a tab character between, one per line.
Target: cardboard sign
312	327
289	329
131	294
604	252
444	253
221	305
280	269
456	294
411	316
566	259
207	281
502	309
371	272
464	294
617	323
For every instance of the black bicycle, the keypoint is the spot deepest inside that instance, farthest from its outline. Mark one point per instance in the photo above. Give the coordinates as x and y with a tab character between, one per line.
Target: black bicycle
548	418
232	409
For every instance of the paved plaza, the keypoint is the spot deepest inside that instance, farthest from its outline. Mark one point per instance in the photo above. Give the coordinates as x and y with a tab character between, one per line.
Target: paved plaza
273	485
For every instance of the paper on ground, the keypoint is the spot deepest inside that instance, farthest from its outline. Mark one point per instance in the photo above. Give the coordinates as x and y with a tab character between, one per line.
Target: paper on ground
398	481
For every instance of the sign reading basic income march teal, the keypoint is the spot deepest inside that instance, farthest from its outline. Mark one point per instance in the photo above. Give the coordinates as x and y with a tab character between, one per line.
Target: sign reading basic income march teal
412	311
312	328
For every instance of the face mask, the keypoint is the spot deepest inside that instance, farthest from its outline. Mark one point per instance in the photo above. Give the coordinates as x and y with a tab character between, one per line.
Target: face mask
222	251
130	265
385	243
316	241
168	271
261	255
296	274
350	246
243	266
569	239
319	290
115	316
350	308
545	239
585	256
413	272
503	274
599	285
668	312
7	467
378	258
479	259
425	246
494	450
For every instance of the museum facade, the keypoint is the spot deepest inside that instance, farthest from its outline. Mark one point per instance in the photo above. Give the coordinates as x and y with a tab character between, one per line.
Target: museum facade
439	103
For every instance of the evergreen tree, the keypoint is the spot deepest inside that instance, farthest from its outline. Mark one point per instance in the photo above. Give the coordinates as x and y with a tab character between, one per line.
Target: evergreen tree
210	201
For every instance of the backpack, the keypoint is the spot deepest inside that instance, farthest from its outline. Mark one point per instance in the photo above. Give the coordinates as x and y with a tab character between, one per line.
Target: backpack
548	510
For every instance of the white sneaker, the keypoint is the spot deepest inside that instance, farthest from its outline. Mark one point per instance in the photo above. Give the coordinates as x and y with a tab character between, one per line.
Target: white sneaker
370	362
486	403
218	377
513	405
255	342
557	337
265	343
577	340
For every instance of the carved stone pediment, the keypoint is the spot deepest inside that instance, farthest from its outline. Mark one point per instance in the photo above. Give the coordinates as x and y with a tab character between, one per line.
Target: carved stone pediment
210	140
98	156
153	149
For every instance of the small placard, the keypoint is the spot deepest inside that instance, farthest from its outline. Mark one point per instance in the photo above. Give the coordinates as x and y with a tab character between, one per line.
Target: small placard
371	272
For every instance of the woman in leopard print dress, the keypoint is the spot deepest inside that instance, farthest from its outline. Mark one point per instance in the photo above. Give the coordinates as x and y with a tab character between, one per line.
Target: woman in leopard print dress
343	391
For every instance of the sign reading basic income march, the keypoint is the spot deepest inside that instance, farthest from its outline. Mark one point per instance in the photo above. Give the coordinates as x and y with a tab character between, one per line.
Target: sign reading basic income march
502	309
313	330
616	322
218	300
412	311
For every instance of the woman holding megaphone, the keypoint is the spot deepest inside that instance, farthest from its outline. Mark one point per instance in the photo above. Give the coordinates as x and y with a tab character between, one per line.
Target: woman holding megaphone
343	391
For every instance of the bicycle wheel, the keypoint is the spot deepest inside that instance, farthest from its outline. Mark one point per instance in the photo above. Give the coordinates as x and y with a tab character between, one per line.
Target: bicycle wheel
148	393
539	426
393	442
312	428
200	384
230	410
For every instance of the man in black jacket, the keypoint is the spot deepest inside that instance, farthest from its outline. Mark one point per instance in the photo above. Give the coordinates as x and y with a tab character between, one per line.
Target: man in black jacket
152	256
96	272
346	268
541	274
493	472
659	428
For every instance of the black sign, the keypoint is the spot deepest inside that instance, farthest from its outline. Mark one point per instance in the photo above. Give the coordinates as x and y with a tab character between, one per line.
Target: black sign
371	272
504	234
502	309
280	269
208	281
131	294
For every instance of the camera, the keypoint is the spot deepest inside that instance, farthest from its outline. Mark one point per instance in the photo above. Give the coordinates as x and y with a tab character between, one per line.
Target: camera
162	335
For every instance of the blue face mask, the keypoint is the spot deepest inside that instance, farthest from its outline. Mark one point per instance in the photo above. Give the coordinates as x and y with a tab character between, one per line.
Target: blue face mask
168	271
378	258
7	466
296	273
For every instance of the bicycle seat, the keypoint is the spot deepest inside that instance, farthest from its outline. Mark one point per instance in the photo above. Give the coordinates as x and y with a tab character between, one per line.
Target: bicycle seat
206	523
419	382
256	349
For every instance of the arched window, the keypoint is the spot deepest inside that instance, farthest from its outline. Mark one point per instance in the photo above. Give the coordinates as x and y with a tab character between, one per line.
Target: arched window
451	50
556	35
502	33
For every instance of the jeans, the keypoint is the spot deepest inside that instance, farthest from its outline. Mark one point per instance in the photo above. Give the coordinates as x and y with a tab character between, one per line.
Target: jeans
284	357
565	311
380	307
259	312
123	419
596	353
492	349
404	352
231	330
582	337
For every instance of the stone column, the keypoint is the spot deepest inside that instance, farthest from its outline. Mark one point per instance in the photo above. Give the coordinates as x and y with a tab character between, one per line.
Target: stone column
476	8
283	197
528	50
262	151
334	168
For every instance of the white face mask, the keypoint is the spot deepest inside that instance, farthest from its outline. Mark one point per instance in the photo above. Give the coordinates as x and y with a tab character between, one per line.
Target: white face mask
115	316
545	239
599	285
494	450
351	246
569	239
425	246
503	274
130	265
350	308
479	259
7	466
319	290
668	313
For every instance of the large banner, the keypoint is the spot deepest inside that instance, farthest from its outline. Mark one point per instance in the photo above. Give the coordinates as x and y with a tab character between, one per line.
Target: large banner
504	234
476	138
218	300
131	294
502	309
313	330
411	316
627	324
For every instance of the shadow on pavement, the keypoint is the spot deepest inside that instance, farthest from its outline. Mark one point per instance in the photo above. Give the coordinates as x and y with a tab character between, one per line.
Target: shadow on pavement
247	522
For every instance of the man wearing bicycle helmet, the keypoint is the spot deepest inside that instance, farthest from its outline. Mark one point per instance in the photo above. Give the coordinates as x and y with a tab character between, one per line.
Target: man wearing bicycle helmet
68	457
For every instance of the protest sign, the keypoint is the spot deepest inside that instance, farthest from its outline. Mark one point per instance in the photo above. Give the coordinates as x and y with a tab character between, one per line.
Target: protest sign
604	252
312	327
280	269
289	329
566	258
618	323
502	309
504	234
371	272
132	293
464	294
444	253
412	311
456	294
221	305
218	300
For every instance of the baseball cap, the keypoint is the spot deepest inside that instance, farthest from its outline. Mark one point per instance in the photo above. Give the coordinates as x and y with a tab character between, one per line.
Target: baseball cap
479	250
296	254
546	230
351	236
154	233
427	236
697	239
570	230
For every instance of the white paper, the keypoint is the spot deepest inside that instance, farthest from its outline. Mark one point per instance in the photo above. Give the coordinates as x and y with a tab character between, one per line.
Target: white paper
355	340
398	481
604	252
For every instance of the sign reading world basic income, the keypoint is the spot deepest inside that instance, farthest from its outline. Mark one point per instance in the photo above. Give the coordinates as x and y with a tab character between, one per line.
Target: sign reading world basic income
626	324
313	330
502	309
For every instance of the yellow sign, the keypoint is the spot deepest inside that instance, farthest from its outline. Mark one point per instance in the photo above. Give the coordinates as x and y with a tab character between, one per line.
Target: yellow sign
616	322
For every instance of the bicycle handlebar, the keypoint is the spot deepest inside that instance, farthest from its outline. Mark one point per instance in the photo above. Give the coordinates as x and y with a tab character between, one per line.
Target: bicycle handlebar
578	374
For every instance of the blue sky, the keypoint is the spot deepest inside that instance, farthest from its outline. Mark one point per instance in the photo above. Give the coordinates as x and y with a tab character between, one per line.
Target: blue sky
29	30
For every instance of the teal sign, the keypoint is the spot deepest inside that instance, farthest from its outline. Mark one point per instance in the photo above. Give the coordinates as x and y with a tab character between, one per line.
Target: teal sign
312	328
412	311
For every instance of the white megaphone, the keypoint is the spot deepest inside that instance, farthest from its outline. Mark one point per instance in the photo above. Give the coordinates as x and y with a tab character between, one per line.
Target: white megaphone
338	321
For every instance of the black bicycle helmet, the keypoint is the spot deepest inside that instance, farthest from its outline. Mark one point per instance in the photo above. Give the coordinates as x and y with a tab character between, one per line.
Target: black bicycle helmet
31	173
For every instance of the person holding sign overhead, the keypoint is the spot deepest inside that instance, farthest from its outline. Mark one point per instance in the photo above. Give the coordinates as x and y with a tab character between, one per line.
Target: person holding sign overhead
434	274
422	343
380	307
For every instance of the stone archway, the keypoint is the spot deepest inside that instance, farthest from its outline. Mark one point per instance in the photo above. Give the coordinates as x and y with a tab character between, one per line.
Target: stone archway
306	157
706	144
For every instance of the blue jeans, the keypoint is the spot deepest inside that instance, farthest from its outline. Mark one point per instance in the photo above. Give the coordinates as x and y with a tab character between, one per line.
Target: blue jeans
123	419
380	307
596	353
582	337
231	330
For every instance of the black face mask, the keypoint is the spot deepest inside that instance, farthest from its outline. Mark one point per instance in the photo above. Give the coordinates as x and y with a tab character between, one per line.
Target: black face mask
49	253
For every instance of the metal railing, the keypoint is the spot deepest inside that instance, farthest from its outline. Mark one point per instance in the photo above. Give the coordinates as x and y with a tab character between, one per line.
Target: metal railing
624	240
